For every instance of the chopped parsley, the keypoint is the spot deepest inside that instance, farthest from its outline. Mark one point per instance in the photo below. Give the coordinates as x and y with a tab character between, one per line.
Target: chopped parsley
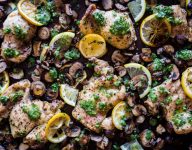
72	54
166	12
184	54
10	53
19	32
152	96
178	101
55	87
178	120
16	96
120	27
96	96
117	83
53	73
99	18
148	135
163	90
89	106
4	99
7	30
32	111
168	100
158	64
102	106
54	32
123	121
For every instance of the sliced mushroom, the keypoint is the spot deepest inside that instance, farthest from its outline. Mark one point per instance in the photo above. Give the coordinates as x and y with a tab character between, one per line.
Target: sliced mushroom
36	48
73	131
17	73
68	10
136	58
146	55
140	119
75	68
117	57
96	138
64	20
51	95
103	144
131	100
120	7
107	4
147	137
159	144
139	110
121	70
175	73
160	129
107	124
3	66
38	88
69	146
84	139
47	77
44	33
23	146
129	128
169	49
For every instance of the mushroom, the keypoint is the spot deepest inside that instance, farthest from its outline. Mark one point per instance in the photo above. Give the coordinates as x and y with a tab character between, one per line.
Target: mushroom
147	137
64	20
51	95
169	49
136	58
23	146
2	14
47	77
69	146
129	128
140	119
175	73
38	88
73	131
36	75
103	143
160	129
68	10
120	7
107	4
131	100
96	138
121	70
84	138
146	55
139	110
117	57
3	66
17	73
44	33
75	68
109	133
181	39
36	48
159	143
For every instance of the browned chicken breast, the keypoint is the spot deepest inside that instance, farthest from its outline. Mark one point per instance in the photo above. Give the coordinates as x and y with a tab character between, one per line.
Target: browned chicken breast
177	106
98	97
15	93
116	27
16	45
183	29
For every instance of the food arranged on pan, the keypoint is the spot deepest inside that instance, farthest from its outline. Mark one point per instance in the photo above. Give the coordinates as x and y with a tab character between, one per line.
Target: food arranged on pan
95	74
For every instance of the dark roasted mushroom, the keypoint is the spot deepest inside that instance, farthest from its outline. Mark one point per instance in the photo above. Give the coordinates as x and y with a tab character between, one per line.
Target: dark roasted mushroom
64	20
146	55
17	73
160	129
47	77
107	4
159	143
129	128
147	137
38	88
73	131
175	73
139	110
68	10
96	138
103	143
136	58
36	48
75	69
140	119
69	146
2	14
169	49
121	70
51	95
131	100
44	33
118	57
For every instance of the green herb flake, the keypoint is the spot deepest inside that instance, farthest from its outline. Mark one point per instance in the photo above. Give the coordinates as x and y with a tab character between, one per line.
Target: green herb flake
19	32
148	135
120	27
53	73
55	87
184	54
152	96
4	99
32	111
10	53
99	18
89	106
16	96
72	54
102	106
7	30
179	101
179	120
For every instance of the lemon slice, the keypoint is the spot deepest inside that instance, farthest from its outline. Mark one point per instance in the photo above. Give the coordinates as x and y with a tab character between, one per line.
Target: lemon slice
4	82
142	76
137	9
61	41
186	82
68	94
28	10
92	45
154	32
119	114
55	127
189	12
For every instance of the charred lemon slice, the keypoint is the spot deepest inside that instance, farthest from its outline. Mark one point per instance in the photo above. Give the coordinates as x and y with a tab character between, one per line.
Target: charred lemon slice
92	45
28	11
186	82
120	114
141	78
4	81
68	94
154	32
55	127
